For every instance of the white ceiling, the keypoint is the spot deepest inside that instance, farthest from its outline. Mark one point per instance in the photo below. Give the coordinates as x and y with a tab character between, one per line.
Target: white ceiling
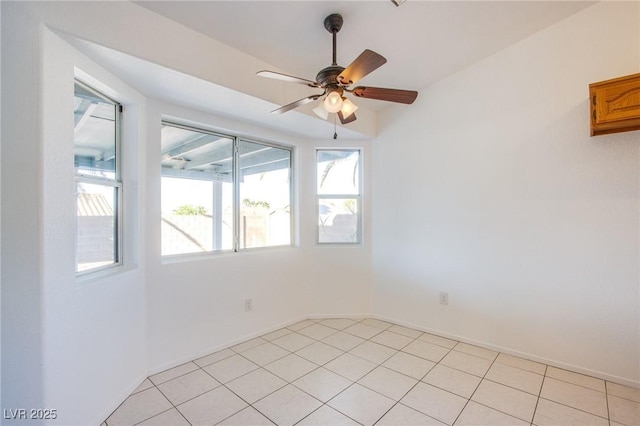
423	41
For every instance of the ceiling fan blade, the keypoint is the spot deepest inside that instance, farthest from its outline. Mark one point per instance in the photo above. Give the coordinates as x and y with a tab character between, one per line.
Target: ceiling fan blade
367	62
347	120
296	104
287	78
382	94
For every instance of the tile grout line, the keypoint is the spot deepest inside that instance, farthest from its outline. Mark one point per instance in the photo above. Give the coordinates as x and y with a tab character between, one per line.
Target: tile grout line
606	395
560	403
538	399
165	397
377	364
423	376
246	402
576	384
380	364
173	406
221	384
173	378
512	387
495	360
291	384
324	404
236	352
622	397
414	386
143	420
606	399
260	367
535	409
475	390
353	382
282	378
573	408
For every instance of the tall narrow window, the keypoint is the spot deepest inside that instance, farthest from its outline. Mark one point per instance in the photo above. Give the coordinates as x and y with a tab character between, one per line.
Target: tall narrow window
338	196
97	176
220	193
265	195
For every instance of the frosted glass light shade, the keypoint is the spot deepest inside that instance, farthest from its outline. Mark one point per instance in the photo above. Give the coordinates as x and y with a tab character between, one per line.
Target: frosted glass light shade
321	111
333	102
348	108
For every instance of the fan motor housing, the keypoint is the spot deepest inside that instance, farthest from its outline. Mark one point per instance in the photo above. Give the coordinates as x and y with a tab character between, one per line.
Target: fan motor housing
329	76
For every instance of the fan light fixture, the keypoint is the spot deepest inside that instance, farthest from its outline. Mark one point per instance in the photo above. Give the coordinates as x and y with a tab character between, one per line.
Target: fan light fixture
333	102
348	108
321	111
334	80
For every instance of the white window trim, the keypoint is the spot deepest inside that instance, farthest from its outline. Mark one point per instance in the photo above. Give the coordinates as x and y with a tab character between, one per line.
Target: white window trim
358	197
236	250
116	182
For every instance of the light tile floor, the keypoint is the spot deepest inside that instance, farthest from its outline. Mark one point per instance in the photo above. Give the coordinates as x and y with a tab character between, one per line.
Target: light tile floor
363	372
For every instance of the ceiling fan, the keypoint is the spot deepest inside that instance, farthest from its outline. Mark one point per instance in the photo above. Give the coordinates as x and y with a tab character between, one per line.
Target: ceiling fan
336	81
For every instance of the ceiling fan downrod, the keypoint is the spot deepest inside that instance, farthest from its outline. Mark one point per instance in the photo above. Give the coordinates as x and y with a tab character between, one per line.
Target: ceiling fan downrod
333	24
328	77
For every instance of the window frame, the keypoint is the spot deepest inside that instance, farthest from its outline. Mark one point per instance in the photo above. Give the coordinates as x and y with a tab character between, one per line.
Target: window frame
207	131
115	183
236	202
358	197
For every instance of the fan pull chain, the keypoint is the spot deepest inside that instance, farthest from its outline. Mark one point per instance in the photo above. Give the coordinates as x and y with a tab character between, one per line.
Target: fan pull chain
335	130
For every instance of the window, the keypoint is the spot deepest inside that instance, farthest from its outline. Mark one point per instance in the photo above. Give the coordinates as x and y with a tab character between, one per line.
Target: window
265	195
97	179
222	193
338	194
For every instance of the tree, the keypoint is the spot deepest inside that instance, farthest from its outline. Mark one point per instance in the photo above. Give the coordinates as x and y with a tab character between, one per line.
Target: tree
190	210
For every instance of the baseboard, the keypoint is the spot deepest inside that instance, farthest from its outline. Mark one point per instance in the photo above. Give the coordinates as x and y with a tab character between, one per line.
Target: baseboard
119	400
125	394
226	345
508	351
122	396
348	316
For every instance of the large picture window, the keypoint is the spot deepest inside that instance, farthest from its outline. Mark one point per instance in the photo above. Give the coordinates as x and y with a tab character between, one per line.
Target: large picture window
97	177
222	193
338	196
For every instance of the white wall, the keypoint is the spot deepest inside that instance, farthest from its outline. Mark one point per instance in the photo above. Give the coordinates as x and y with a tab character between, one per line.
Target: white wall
491	189
340	276
98	319
81	346
196	306
21	217
530	225
0	209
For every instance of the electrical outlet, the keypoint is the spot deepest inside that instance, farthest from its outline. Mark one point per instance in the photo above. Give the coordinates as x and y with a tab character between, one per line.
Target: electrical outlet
248	305
444	298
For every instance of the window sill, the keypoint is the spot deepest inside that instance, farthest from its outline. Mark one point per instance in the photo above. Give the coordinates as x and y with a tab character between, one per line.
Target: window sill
103	273
195	257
